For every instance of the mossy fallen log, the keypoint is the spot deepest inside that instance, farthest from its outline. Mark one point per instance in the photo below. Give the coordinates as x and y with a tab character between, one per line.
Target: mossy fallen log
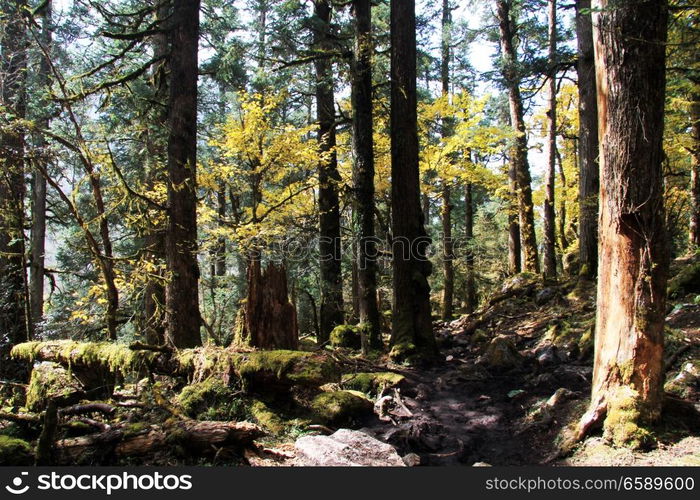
191	437
258	370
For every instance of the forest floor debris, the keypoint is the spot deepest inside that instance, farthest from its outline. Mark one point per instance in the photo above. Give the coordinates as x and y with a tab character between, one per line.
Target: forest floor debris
512	380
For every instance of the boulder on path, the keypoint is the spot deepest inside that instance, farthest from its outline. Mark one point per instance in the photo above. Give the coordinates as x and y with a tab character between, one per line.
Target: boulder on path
344	448
501	354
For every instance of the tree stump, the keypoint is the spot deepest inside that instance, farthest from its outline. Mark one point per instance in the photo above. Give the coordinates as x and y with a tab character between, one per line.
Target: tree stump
270	319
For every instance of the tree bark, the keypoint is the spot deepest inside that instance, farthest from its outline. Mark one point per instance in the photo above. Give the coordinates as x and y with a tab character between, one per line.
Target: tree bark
447	130
519	150
589	177
411	322
471	298
628	374
328	179
38	233
270	319
181	296
448	254
549	243
13	282
562	219
363	172
514	247
694	232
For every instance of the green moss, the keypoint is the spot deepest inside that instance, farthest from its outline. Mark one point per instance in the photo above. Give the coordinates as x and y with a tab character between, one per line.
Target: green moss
26	350
684	382
49	380
115	357
287	367
586	343
210	399
135	428
623	426
502	354
267	418
403	352
346	336
371	383
340	407
14	451
686	281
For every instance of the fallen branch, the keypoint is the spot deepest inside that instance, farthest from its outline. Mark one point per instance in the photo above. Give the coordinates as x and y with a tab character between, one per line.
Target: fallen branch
103	408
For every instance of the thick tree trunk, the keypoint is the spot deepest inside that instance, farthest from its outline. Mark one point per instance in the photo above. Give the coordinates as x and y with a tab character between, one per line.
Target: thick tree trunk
38	234
471	298
448	254
154	248
514	247
519	150
270	319
549	240
182	297
220	248
363	172
412	332
13	283
589	177
328	179
694	233
447	130
630	72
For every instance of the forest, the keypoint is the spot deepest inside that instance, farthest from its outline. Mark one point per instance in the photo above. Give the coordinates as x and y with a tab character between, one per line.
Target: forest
350	232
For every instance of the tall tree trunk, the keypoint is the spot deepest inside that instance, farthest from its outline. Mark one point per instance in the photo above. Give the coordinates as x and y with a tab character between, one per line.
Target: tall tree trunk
550	245
328	179
425	207
363	172
13	301
589	177
471	298
448	253
412	333
220	249
182	290
630	40
154	294
562	220
514	247
447	130
694	233
38	235
519	150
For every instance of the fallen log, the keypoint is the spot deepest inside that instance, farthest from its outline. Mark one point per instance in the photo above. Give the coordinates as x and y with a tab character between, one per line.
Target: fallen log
258	370
194	437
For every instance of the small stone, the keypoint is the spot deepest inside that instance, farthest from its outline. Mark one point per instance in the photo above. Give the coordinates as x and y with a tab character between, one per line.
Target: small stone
449	358
481	464
411	460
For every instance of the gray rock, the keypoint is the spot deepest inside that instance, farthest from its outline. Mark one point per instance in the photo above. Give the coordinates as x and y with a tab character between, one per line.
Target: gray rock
501	354
411	460
551	355
344	448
